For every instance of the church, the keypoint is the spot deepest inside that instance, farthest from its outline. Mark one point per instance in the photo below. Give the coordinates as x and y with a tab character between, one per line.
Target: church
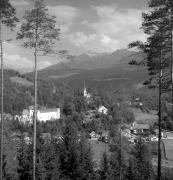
86	94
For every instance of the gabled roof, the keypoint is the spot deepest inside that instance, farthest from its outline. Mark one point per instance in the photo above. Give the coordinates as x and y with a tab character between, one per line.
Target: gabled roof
25	111
141	126
47	110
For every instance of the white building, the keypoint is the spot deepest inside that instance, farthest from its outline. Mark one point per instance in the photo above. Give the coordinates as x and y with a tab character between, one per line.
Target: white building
48	114
103	110
94	136
43	115
86	94
26	116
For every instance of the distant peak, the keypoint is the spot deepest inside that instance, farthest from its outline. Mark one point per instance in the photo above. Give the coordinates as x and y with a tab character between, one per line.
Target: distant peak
91	53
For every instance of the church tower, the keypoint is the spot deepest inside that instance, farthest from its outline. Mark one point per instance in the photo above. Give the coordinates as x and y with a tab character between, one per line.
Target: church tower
85	94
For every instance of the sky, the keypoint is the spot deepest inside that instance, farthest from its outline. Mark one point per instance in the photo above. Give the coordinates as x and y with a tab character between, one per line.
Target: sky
86	25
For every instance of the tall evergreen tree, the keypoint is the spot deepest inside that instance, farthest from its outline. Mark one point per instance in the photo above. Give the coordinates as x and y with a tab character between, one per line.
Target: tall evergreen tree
24	160
85	160
74	154
68	152
140	166
7	18
104	170
39	33
158	25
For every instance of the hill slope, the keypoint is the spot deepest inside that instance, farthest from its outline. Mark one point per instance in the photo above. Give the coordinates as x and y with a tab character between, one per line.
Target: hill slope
19	92
106	71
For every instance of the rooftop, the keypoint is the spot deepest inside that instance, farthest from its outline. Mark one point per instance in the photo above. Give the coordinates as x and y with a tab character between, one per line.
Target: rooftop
141	126
48	110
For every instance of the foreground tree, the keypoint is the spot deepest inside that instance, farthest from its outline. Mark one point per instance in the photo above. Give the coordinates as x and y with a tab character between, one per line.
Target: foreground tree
74	155
24	160
7	18
158	25
104	169
140	166
39	33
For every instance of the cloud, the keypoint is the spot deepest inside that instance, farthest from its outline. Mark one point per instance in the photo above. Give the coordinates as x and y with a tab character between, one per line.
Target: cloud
113	29
65	15
17	62
19	2
44	64
20	59
23	64
80	38
121	25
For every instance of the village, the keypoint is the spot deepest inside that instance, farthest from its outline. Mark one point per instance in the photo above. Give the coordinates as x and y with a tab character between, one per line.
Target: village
142	127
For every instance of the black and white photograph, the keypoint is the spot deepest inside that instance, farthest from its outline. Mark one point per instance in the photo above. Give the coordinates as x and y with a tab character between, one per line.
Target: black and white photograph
86	89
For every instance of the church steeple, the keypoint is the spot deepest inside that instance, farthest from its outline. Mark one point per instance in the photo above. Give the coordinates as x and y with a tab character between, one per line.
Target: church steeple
85	90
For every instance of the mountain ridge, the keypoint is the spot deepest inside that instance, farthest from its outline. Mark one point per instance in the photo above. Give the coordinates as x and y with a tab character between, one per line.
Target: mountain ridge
106	71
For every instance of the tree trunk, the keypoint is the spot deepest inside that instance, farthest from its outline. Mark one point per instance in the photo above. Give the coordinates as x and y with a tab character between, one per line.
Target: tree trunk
2	101
35	100
172	59
159	173
35	115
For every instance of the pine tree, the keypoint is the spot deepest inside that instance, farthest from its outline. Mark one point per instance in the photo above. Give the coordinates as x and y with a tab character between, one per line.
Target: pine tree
24	160
119	149
40	169
68	152
49	156
39	33
130	170
7	18
158	25
85	160
74	155
104	170
140	162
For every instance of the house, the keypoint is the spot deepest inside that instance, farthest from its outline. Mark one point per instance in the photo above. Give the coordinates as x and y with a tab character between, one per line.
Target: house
104	137
17	137
140	128
128	103
86	95
94	136
126	133
138	102
103	110
26	117
43	115
163	133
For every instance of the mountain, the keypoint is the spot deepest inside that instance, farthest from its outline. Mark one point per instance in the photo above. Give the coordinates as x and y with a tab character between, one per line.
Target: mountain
95	61
105	71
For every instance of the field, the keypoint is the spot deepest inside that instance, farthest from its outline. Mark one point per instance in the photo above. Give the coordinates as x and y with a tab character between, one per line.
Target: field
21	81
98	148
144	117
169	148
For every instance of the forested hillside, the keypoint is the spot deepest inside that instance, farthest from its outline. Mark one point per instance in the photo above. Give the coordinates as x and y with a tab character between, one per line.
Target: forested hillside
19	95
